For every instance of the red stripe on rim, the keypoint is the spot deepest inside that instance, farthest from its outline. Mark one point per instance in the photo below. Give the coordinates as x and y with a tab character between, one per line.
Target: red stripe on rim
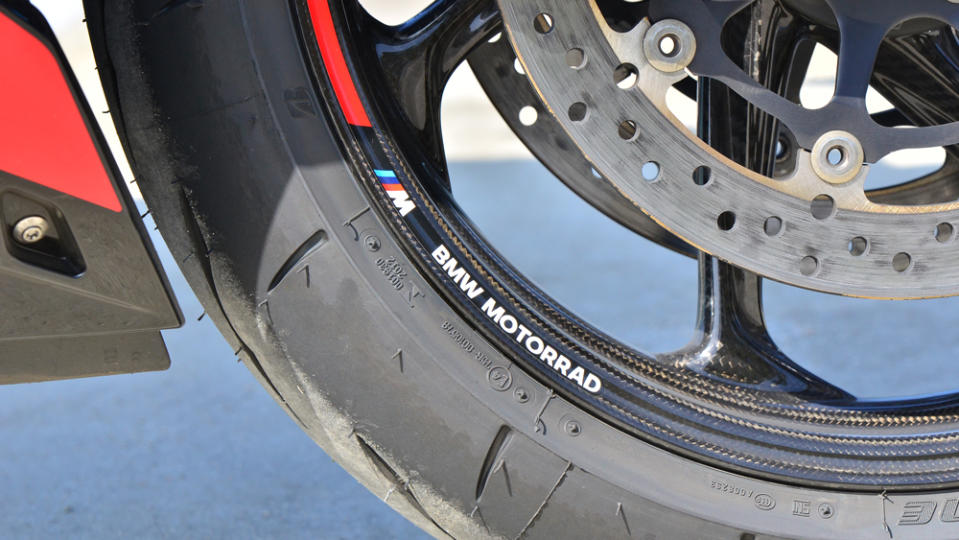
329	43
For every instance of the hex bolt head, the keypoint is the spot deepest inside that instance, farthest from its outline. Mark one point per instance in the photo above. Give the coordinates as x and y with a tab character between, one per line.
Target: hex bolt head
30	230
372	243
573	428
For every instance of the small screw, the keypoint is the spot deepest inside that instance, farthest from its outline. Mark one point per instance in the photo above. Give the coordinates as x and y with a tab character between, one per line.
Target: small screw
30	230
521	395
572	428
372	243
826	511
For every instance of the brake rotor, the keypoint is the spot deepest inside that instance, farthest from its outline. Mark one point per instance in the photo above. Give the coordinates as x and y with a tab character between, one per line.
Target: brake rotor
814	228
510	92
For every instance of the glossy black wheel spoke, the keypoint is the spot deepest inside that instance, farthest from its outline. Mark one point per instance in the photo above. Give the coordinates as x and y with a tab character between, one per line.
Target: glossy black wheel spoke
416	59
731	341
919	75
784	51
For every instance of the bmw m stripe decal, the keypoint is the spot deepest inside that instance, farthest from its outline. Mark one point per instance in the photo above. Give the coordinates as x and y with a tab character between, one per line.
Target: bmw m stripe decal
386	177
401	199
348	96
525	337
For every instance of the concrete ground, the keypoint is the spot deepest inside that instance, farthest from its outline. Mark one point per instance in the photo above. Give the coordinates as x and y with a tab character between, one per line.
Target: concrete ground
202	451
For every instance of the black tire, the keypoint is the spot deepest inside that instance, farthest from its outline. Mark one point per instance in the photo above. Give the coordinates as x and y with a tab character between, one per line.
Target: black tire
258	199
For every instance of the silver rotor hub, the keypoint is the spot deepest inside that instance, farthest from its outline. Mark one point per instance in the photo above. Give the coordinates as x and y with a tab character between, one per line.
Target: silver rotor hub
815	228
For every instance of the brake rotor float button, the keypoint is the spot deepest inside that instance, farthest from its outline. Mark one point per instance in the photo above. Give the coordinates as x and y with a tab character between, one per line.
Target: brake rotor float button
837	157
669	45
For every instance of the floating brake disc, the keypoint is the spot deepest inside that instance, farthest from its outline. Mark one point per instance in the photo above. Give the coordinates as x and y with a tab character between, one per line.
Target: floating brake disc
815	227
510	91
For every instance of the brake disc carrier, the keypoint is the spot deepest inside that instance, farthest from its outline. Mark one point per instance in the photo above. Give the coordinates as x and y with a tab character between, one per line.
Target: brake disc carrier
814	228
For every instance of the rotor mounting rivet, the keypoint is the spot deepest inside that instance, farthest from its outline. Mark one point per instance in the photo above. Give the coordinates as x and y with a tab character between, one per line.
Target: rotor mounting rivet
837	157
30	230
669	45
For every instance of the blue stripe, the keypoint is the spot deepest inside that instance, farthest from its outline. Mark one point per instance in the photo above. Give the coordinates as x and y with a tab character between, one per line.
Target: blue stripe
384	173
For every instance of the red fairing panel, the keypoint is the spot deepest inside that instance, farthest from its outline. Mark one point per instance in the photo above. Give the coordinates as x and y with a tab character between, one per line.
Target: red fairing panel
43	137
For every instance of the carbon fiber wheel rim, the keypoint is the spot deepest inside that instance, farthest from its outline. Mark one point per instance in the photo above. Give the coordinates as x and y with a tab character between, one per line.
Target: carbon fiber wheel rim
730	398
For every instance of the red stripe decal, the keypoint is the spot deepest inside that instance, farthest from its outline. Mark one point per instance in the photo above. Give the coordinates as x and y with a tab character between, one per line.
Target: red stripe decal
336	68
43	137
